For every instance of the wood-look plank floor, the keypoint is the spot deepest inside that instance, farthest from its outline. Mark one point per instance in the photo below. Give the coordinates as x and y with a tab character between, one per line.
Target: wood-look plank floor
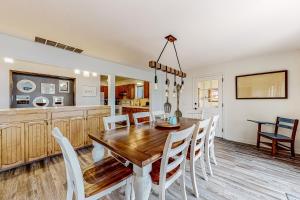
242	172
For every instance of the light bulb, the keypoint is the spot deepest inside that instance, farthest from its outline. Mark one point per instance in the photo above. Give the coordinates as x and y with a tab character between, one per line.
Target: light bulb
8	60
86	74
155	86
77	71
174	92
94	74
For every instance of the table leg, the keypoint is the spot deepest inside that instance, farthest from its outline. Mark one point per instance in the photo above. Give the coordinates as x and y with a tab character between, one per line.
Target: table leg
97	152
142	182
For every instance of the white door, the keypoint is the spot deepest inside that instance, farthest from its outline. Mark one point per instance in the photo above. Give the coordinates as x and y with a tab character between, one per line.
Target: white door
208	99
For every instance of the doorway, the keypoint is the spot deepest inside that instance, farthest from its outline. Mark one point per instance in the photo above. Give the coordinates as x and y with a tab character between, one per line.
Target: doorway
208	99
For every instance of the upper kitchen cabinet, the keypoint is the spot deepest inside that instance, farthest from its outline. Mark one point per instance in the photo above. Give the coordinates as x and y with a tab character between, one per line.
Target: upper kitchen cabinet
146	89
125	91
104	89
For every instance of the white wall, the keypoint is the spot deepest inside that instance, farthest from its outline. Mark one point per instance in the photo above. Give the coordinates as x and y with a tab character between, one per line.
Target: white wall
236	112
29	51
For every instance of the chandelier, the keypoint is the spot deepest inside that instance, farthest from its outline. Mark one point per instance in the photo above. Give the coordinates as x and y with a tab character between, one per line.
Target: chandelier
169	70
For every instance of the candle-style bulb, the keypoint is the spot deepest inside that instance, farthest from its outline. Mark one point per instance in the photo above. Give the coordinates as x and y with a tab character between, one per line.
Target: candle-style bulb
155	82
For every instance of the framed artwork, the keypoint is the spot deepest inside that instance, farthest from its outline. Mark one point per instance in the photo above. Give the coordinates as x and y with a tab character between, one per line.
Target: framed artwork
64	86
268	85
47	88
26	86
89	91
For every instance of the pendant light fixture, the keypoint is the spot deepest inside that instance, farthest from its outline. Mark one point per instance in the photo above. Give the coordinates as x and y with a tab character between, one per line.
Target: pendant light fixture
174	88
157	66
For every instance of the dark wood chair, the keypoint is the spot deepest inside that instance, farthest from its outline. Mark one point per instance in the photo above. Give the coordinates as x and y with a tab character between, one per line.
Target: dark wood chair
276	137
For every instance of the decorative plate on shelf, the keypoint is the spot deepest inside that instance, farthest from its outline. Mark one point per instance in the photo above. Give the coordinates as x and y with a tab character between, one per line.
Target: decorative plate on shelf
26	86
40	101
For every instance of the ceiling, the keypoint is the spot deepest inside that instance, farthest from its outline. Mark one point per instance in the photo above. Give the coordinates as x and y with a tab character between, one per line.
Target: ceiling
132	31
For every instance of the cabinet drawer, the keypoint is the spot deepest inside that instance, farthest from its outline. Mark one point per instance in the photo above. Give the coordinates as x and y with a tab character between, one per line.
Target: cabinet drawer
22	117
98	112
57	115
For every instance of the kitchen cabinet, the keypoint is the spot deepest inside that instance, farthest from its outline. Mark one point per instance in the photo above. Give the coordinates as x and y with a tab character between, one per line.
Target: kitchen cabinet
36	138
104	89
26	134
146	89
77	136
130	110
64	127
12	145
125	91
94	125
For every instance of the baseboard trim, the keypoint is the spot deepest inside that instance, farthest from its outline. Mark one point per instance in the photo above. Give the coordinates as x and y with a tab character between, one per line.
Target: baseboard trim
253	142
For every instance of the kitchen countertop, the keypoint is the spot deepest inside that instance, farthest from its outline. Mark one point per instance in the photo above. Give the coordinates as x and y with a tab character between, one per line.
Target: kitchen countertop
47	109
141	107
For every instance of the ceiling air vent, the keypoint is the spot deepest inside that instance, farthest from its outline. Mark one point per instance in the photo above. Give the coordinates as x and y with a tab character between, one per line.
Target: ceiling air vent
57	44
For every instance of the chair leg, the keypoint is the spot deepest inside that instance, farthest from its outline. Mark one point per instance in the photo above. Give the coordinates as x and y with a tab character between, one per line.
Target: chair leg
193	177
293	149
274	149
182	184
213	156
202	164
162	194
128	188
258	140
70	192
207	159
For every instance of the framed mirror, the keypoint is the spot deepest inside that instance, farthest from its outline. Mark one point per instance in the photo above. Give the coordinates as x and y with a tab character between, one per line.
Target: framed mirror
268	85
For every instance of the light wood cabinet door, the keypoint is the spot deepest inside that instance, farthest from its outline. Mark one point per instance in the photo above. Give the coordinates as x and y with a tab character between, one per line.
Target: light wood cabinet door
64	127
36	140
12	145
77	135
93	124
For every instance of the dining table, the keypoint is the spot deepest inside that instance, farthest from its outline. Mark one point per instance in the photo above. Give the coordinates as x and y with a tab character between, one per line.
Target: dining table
141	145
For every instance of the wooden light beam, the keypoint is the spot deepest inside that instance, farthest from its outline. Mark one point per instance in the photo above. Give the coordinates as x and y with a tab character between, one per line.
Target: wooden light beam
164	68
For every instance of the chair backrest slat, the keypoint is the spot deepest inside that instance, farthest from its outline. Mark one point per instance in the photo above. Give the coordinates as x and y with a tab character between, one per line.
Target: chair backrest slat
212	130
158	114
286	123
177	149
110	122
174	157
286	120
285	126
138	115
73	169
177	161
198	138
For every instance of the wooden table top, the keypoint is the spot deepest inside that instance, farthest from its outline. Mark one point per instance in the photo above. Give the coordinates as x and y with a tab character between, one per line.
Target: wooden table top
141	145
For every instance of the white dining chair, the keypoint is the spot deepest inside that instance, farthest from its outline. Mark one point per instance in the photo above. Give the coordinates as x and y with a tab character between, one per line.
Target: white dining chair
139	115
209	143
158	114
172	165
110	121
109	124
196	151
95	181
